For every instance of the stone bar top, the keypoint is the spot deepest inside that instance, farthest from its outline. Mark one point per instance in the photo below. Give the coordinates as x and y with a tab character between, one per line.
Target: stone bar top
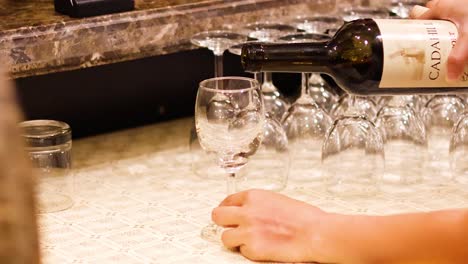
35	40
138	201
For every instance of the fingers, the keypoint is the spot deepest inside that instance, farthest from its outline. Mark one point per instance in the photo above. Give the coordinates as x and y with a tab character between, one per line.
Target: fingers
418	11
429	14
432	4
227	216
458	58
233	238
236	199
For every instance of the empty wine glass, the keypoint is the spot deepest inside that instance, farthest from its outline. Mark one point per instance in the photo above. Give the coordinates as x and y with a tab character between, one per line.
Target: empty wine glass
363	105
359	12
229	118
322	93
405	146
269	168
416	102
305	124
459	151
320	90
275	104
402	8
317	24
440	115
353	157
218	41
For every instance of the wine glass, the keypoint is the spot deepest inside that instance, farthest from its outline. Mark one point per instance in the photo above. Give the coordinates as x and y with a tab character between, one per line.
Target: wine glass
269	168
402	8
305	124
275	104
405	145
459	150
358	12
317	24
362	104
320	90
218	41
353	157
229	118
440	115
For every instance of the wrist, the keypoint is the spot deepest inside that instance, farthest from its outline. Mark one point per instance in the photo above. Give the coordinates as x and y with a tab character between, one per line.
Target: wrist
337	238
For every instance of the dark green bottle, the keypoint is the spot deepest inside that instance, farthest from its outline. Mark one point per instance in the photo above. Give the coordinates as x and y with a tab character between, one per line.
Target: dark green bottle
368	57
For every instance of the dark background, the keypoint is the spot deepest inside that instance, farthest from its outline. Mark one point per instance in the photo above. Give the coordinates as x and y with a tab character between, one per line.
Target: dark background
128	94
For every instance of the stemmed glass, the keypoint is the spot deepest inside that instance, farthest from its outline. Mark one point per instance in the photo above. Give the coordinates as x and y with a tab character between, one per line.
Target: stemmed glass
306	123
459	150
317	24
440	115
269	168
218	41
405	145
320	90
353	158
275	104
361	104
402	8
229	118
353	13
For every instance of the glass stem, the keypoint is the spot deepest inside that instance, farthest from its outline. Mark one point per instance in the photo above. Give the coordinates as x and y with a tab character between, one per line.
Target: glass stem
267	77
258	76
219	71
231	183
305	84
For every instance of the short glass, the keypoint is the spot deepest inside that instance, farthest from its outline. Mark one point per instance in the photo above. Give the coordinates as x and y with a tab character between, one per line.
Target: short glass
48	145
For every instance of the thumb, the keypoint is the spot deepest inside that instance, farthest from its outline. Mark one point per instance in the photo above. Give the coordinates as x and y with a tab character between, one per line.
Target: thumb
458	58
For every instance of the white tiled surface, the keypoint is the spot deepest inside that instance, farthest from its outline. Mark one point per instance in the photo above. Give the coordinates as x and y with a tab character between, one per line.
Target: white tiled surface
150	207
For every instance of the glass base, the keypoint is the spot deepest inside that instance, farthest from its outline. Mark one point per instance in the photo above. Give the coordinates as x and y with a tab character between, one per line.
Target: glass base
212	233
53	202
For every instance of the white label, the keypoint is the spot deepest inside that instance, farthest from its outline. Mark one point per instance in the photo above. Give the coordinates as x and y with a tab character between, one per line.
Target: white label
416	52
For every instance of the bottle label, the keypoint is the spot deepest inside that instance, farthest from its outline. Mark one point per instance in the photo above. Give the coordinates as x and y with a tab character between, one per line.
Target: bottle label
416	52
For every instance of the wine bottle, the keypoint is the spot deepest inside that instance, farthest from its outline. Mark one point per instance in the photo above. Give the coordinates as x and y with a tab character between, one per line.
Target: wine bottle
370	56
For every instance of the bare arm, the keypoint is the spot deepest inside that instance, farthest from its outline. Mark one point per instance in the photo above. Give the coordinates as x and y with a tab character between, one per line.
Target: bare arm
434	237
269	226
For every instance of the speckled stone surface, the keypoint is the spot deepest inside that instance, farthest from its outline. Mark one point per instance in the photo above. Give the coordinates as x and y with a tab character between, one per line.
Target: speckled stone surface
35	40
137	200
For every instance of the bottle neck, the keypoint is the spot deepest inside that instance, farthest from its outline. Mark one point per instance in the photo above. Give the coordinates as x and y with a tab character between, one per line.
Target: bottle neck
296	57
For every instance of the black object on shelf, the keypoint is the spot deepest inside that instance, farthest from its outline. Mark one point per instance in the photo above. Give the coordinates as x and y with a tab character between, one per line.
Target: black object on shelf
87	8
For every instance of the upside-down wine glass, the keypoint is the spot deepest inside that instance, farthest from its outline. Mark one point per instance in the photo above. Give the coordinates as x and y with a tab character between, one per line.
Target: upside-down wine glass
459	151
323	94
402	8
440	115
229	118
305	124
353	158
275	103
218	41
269	168
405	145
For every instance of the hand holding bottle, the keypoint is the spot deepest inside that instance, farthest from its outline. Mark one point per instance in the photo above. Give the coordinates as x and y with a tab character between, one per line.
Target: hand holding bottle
457	12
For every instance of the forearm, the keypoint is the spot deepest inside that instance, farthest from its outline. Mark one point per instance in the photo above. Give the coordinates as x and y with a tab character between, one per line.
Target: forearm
436	237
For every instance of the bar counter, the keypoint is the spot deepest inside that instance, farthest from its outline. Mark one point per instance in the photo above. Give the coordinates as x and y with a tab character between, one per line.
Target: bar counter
138	201
36	40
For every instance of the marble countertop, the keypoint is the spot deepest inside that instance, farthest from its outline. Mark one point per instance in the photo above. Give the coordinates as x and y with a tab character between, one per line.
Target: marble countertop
35	40
137	200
